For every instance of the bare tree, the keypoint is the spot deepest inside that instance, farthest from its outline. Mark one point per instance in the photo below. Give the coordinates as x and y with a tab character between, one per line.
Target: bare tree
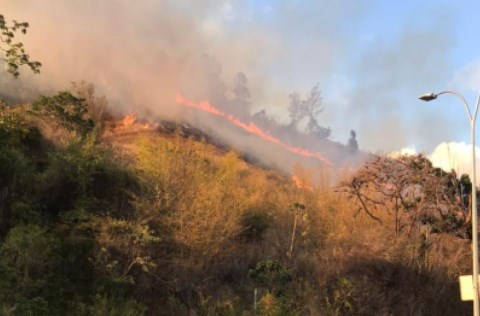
418	194
308	108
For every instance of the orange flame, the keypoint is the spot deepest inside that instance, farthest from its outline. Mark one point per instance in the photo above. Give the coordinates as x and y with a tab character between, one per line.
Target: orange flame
129	120
251	128
147	126
254	129
300	184
204	106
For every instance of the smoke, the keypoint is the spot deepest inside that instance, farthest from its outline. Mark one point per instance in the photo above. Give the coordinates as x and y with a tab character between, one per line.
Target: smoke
454	156
139	55
243	56
469	76
448	156
389	76
142	54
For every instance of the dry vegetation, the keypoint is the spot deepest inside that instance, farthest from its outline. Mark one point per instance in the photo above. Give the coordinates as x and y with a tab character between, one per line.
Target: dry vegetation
157	225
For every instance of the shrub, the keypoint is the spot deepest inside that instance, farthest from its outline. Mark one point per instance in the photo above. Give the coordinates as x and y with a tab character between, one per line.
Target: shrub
254	225
270	274
70	111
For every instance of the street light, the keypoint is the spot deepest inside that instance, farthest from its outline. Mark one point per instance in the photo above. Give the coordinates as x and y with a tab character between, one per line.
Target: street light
472	119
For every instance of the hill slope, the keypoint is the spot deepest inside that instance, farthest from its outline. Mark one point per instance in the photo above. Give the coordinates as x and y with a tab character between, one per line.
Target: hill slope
132	220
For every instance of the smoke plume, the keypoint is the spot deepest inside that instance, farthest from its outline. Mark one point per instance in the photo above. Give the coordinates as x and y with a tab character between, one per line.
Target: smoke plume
242	56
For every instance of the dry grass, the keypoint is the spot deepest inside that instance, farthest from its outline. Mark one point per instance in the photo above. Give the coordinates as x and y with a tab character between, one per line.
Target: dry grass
343	261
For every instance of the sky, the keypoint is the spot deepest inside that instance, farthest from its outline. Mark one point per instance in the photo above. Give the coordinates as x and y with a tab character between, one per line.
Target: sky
371	59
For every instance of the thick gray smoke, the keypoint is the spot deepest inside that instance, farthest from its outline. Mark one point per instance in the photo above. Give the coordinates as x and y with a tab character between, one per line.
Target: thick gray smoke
140	55
242	55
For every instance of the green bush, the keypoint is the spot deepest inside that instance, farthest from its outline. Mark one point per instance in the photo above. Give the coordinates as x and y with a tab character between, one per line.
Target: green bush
70	111
341	300
253	225
113	306
270	274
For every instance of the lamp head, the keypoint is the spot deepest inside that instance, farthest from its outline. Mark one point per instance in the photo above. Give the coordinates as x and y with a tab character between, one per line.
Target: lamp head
428	97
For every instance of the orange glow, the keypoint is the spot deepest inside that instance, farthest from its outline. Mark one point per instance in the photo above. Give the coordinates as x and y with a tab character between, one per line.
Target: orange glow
251	128
307	153
129	120
300	184
204	106
254	129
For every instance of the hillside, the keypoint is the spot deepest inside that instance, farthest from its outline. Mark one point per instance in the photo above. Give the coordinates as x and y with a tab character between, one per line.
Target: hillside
104	217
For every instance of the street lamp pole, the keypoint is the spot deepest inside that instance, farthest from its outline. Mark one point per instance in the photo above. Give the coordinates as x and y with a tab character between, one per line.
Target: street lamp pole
472	120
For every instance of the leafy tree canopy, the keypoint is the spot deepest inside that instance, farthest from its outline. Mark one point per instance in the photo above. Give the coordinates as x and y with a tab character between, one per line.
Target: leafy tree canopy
12	52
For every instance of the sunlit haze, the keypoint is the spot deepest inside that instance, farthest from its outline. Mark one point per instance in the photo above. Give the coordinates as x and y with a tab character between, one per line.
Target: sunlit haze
370	59
238	157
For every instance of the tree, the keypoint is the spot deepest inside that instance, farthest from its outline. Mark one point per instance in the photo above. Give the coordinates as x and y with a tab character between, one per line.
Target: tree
295	109
242	97
308	108
419	194
465	190
70	111
28	253
313	107
215	86
352	142
13	53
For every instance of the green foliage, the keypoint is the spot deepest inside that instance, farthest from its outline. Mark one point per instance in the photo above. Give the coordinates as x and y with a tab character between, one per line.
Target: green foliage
70	111
466	183
16	132
116	307
465	187
270	274
449	223
122	246
254	225
20	157
27	248
84	175
271	305
341	300
27	257
13	53
12	126
50	201
84	231
34	306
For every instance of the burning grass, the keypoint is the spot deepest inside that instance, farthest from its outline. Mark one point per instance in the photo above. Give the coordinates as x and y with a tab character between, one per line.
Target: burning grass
184	227
252	129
